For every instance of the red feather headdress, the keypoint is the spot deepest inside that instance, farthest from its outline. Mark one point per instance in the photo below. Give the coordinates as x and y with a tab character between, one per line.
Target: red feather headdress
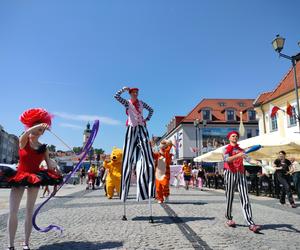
35	116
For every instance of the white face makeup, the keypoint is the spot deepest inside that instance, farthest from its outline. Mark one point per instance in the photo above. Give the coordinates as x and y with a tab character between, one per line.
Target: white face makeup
134	94
233	138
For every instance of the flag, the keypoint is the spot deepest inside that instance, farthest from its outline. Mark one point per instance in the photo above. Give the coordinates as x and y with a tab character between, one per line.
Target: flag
274	111
241	128
289	109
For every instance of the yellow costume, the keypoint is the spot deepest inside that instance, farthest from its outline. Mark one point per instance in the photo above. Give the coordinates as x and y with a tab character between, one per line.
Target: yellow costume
114	166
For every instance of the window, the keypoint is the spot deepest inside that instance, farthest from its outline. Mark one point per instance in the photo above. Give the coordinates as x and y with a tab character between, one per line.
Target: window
230	115
293	119
274	125
252	115
206	114
241	104
249	133
222	104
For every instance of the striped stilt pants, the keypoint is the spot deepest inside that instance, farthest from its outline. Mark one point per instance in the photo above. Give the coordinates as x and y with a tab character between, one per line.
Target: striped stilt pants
231	180
137	152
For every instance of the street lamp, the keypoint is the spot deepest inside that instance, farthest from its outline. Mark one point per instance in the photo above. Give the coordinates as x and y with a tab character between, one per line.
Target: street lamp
278	44
196	124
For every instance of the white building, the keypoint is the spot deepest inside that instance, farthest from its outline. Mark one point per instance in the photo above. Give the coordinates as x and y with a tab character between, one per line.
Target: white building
216	117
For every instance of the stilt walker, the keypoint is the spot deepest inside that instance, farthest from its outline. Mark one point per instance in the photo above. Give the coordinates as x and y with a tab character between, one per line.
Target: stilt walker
137	149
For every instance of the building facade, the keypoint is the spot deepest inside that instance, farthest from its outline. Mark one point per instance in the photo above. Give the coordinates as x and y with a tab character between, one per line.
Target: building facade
9	147
206	126
281	96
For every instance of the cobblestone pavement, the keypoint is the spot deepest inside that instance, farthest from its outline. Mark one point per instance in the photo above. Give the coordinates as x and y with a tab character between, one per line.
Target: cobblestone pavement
192	219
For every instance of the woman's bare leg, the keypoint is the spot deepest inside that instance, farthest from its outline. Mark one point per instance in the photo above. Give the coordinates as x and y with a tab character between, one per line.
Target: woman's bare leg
32	194
15	197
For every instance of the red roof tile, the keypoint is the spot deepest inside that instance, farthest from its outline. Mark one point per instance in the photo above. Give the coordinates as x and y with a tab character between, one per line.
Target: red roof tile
285	86
217	109
262	97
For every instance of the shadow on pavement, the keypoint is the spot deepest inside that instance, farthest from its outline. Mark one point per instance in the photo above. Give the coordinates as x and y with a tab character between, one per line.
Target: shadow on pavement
280	227
82	245
187	202
171	220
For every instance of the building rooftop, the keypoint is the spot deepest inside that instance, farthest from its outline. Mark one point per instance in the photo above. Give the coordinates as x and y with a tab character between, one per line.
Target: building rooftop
285	86
218	108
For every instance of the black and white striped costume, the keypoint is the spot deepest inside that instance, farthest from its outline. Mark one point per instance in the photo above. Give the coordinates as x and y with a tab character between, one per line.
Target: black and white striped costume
138	153
233	178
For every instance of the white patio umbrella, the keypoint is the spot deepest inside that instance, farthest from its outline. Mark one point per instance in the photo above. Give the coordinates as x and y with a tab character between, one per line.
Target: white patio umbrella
271	145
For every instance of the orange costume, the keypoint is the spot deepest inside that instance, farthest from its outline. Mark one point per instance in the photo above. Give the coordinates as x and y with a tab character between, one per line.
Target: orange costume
162	160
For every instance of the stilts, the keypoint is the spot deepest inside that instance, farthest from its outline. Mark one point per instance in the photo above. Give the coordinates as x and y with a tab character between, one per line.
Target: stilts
124	215
150	204
150	208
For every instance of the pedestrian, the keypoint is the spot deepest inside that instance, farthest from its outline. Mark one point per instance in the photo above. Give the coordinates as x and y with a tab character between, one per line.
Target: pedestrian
194	176
98	179
218	179
234	175
176	181
265	181
31	153
187	173
43	166
282	167
82	175
46	190
101	175
295	171
201	177
92	174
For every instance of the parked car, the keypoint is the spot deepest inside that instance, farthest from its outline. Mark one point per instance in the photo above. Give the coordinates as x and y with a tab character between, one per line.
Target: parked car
6	170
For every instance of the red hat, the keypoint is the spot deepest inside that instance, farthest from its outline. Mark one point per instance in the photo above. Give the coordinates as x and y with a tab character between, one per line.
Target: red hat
35	116
233	132
133	89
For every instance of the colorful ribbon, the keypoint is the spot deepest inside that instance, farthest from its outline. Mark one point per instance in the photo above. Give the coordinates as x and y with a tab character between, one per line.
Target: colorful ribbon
83	154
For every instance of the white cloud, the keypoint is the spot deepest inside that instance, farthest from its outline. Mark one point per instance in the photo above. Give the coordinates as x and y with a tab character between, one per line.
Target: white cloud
69	125
87	118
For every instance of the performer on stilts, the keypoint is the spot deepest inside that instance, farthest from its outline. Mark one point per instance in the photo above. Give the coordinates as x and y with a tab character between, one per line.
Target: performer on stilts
234	175
162	160
137	149
28	174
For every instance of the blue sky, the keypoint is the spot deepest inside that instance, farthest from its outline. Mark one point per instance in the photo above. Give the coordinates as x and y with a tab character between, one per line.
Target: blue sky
70	57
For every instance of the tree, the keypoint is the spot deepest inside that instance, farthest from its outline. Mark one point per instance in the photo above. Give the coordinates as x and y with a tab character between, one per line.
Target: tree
77	149
52	148
98	151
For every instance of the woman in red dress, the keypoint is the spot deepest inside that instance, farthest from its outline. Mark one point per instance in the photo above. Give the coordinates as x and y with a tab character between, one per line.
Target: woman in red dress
29	174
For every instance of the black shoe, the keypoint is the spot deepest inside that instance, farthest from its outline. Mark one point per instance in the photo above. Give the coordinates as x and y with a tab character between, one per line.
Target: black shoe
11	248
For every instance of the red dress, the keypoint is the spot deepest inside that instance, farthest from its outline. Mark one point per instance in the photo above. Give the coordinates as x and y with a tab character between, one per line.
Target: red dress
29	172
